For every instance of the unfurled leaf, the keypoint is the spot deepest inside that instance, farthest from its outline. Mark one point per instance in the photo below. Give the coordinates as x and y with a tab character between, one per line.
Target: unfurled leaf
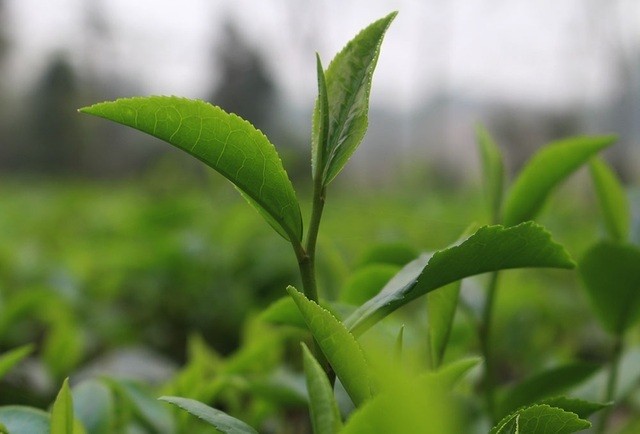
492	170
11	358
582	408
540	419
219	419
348	84
612	198
491	248
24	420
611	275
441	309
223	141
544	384
62	411
545	171
339	347
325	417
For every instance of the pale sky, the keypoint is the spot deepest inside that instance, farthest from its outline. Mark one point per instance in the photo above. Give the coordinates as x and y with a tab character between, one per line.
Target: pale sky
543	52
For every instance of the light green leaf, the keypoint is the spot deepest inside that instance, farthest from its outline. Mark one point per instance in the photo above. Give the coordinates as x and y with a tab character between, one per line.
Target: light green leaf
492	170
540	419
225	142
611	275
325	417
320	124
62	411
546	170
491	248
283	311
612	198
94	406
544	384
24	420
339	347
348	81
398	347
220	420
582	408
147	409
441	309
447	376
11	358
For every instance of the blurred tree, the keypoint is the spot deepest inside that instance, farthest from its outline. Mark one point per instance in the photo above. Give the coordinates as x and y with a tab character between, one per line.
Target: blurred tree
56	139
245	86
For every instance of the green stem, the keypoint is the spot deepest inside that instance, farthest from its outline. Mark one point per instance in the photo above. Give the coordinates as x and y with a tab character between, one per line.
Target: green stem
610	392
485	344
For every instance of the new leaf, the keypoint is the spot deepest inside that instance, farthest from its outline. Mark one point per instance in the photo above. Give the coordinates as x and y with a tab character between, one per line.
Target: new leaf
219	419
612	198
348	84
223	141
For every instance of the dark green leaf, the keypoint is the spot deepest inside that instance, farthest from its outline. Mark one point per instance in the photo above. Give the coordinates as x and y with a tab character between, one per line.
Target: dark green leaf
611	274
325	417
546	170
492	170
220	420
491	248
612	198
24	420
223	141
544	384
348	81
62	411
441	309
339	347
540	419
11	358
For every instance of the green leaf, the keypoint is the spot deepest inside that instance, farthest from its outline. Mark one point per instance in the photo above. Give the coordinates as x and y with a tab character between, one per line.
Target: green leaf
148	410
62	411
24	420
447	376
544	384
491	248
441	309
220	420
283	311
366	282
11	358
611	275
325	417
339	347
612	198
492	170
348	82
94	406
223	141
540	419
582	408
320	124
546	170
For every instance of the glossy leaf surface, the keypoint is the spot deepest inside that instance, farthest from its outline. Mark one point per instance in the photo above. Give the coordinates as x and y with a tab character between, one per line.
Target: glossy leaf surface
219	419
612	198
325	417
339	347
582	408
348	84
491	248
545	171
223	141
611	275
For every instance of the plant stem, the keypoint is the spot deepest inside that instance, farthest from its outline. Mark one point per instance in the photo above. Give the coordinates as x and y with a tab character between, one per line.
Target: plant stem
610	392
485	344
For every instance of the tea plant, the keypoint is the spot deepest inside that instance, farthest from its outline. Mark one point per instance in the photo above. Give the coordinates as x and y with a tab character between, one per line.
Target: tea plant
388	388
